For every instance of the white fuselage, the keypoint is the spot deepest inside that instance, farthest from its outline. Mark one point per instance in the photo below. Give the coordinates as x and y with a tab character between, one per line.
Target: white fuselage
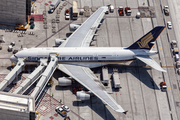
81	54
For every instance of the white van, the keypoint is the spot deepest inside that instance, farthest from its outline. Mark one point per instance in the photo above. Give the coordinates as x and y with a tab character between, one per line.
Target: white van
111	8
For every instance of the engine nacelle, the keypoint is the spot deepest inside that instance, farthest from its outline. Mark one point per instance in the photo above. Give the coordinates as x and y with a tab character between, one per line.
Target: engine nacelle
73	27
64	81
59	41
82	95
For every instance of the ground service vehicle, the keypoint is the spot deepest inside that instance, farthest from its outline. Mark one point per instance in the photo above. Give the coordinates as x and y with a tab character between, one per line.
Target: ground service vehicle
67	14
111	8
54	5
105	75
66	108
163	86
173	44
166	10
61	111
116	80
169	25
138	15
128	11
20	27
75	11
121	11
31	20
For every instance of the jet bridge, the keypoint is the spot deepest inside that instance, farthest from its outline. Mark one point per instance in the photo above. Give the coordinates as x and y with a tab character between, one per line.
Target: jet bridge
45	76
13	74
32	77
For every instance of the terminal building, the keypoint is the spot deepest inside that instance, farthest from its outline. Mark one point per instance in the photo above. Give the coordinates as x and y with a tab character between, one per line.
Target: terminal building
14	11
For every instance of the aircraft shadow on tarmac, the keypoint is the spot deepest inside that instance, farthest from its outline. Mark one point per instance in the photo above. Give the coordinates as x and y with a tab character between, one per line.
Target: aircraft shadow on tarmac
101	110
68	34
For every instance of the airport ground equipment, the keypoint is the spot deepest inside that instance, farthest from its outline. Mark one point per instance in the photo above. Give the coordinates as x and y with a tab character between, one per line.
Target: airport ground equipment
111	8
67	14
169	25
20	27
13	74
121	11
75	11
175	50
163	86
54	5
61	111
66	108
178	64
138	15
128	11
116	80
45	76
10	48
173	44
176	57
81	12
15	50
13	43
166	10
105	75
32	77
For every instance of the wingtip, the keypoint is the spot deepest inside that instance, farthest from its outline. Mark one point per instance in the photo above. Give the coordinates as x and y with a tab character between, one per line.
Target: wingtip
125	112
164	71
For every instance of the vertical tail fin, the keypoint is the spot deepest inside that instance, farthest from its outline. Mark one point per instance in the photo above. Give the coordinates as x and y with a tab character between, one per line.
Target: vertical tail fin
148	40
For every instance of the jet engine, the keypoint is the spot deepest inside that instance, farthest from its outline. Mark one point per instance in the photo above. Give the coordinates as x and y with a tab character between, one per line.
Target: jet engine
64	81
82	95
73	27
59	41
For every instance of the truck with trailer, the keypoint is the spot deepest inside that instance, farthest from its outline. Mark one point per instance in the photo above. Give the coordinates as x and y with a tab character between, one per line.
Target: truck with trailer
116	80
128	11
54	5
75	11
121	11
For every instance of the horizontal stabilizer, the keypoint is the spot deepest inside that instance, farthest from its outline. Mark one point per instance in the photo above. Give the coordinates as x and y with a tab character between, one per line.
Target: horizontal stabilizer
149	61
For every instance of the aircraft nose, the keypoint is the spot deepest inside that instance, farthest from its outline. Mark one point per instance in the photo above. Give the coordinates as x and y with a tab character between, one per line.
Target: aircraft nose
13	58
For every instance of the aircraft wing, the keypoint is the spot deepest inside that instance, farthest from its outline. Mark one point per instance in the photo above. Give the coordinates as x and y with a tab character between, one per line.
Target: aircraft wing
84	34
149	61
85	77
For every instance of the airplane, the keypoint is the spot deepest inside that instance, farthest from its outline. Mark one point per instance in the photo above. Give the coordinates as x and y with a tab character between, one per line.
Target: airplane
75	57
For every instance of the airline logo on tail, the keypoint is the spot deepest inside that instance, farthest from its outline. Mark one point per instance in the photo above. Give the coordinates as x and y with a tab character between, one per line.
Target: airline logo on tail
147	41
143	43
